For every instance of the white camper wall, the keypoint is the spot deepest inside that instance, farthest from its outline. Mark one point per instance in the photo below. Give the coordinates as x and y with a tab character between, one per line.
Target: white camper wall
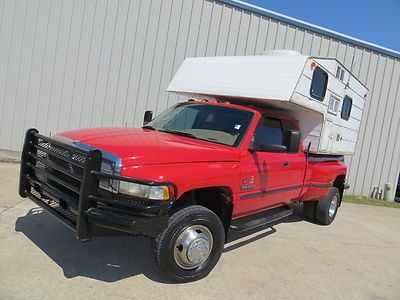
337	136
310	124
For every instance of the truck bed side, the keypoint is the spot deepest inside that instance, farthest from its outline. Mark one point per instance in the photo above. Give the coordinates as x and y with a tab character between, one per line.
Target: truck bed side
322	172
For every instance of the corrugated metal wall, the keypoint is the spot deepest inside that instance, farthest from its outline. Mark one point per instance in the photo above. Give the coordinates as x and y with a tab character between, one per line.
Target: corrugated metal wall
71	63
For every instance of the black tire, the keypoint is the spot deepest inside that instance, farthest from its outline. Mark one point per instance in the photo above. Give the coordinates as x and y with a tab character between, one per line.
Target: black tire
322	214
309	209
182	220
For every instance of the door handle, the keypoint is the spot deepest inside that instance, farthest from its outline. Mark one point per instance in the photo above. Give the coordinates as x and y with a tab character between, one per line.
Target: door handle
286	164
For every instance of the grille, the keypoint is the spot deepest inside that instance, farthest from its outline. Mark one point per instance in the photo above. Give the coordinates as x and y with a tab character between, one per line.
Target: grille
56	172
70	160
55	157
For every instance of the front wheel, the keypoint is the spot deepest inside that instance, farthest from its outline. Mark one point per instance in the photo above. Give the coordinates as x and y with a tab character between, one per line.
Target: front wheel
191	245
327	208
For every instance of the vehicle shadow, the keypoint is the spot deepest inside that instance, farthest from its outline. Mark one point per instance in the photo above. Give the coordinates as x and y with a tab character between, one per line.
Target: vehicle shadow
110	258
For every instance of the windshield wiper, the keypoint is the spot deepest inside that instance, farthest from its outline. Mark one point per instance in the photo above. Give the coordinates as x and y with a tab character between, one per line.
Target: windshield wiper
187	134
149	127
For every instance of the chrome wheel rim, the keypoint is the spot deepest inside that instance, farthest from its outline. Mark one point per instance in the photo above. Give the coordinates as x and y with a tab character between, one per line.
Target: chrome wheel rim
333	206
193	246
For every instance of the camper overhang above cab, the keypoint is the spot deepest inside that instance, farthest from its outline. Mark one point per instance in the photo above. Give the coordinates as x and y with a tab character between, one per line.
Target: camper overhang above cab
325	98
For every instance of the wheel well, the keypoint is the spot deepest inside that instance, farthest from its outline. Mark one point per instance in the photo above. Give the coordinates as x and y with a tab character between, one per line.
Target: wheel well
216	199
339	183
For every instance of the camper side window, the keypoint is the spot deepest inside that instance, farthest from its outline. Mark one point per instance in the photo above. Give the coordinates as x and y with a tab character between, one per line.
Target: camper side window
333	106
339	73
319	84
346	108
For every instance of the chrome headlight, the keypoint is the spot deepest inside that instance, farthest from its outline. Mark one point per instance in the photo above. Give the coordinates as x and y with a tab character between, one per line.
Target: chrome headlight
144	191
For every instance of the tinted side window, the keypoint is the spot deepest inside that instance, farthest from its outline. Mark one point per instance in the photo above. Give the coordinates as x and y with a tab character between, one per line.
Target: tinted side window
346	108
319	84
269	131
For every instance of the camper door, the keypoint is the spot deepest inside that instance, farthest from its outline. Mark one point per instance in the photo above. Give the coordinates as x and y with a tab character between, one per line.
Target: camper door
327	141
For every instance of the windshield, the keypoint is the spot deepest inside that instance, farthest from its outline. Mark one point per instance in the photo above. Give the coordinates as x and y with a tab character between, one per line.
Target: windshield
218	124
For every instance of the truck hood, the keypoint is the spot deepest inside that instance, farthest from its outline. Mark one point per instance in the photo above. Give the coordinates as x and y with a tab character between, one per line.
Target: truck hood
136	146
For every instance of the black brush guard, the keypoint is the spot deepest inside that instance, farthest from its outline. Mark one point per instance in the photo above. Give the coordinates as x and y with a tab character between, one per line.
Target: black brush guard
64	180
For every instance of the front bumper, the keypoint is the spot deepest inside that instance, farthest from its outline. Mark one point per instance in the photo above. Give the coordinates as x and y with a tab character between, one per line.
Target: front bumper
69	190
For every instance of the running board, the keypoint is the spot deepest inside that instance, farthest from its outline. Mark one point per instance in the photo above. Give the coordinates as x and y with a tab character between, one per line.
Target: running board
264	218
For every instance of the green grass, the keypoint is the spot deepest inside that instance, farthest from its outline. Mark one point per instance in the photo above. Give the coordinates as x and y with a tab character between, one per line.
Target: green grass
370	201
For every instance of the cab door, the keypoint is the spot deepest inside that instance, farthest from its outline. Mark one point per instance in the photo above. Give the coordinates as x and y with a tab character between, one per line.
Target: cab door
269	178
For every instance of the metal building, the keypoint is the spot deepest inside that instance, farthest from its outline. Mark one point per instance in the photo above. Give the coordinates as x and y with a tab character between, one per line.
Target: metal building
72	64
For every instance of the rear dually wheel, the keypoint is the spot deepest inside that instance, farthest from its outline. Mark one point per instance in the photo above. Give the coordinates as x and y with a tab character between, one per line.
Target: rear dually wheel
327	208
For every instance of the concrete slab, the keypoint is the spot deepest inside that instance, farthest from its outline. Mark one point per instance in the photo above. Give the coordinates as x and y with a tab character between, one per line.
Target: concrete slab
7	156
357	257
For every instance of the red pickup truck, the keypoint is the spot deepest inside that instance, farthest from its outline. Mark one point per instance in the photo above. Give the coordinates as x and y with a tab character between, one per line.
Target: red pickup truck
184	179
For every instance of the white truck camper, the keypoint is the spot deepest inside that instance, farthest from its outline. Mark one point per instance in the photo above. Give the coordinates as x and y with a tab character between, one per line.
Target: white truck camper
325	98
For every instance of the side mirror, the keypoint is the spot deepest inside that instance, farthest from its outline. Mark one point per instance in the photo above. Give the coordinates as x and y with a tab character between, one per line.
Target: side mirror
291	140
255	147
148	116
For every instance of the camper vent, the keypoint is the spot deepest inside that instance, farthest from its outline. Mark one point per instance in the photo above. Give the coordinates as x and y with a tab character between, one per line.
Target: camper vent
339	73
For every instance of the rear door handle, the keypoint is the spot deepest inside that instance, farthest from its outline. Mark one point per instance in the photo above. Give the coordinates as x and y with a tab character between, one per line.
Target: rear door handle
286	164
